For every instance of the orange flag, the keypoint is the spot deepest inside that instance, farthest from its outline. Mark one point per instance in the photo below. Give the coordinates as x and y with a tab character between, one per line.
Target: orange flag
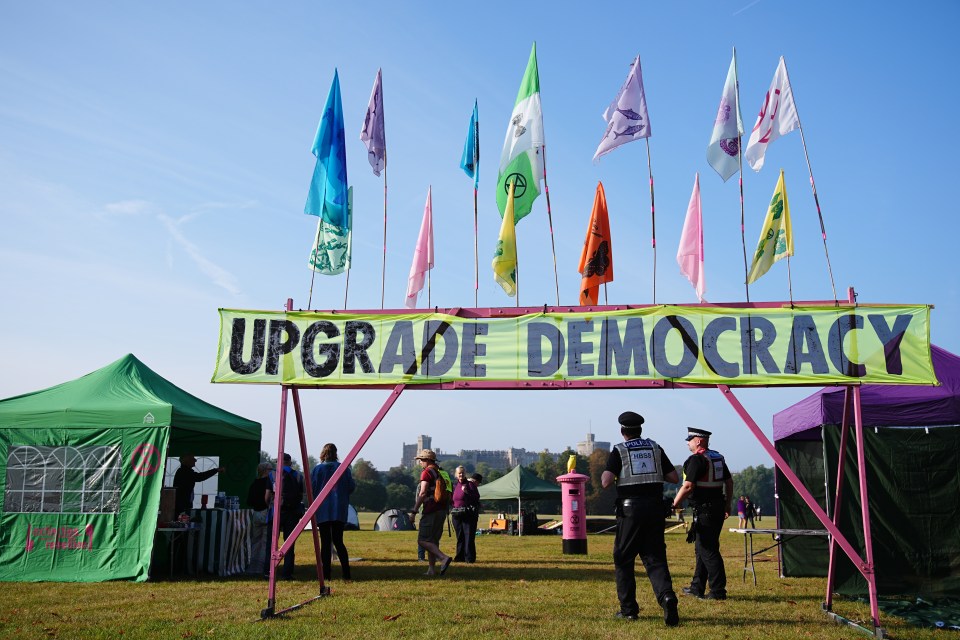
596	261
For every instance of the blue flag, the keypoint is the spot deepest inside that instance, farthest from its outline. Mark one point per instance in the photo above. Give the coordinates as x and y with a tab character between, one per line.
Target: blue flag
327	197
470	161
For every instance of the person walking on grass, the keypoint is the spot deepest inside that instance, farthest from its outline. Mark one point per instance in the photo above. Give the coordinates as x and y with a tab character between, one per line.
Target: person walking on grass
709	484
639	468
434	512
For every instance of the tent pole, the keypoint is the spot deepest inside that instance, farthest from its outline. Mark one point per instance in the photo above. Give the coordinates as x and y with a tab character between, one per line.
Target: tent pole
519	519
866	568
841	463
308	486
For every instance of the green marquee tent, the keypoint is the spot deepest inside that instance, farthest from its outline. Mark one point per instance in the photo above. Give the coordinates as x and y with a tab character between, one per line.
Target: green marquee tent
82	464
519	484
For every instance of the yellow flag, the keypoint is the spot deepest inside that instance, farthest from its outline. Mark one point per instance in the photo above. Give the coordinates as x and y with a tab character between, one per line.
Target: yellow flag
776	236
505	258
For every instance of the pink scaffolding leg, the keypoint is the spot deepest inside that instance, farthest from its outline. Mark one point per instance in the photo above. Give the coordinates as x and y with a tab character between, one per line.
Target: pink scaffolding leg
790	475
308	486
275	556
841	463
868	567
312	509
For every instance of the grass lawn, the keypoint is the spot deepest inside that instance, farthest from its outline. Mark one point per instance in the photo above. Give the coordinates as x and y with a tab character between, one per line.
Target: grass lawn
519	588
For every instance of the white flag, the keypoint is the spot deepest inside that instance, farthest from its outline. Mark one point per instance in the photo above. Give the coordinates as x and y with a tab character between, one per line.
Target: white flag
724	144
690	252
626	117
778	117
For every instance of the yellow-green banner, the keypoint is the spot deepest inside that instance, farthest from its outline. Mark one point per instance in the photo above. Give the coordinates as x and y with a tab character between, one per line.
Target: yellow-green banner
698	345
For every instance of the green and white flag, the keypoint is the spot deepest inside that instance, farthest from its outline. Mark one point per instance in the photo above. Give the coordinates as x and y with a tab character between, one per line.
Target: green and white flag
776	236
331	246
520	162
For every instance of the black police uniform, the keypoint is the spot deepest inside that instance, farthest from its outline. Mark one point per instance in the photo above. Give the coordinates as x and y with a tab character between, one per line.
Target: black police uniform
640	465
708	471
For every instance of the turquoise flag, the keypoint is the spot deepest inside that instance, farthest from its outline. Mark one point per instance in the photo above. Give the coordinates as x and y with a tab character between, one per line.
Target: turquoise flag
327	196
470	161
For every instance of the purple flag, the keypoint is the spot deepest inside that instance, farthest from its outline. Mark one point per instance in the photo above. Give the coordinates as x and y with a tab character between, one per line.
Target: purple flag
373	134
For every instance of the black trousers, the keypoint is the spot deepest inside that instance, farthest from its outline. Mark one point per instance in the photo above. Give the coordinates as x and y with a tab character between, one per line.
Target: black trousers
465	526
709	568
640	533
331	535
288	521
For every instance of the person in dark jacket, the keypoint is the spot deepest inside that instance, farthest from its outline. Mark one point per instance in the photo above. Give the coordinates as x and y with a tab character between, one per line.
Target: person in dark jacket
333	512
185	480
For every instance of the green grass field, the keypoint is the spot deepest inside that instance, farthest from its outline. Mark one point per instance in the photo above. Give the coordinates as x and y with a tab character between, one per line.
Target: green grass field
519	588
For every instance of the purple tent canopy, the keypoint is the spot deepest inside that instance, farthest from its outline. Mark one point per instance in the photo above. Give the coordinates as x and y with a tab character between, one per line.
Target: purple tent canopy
882	405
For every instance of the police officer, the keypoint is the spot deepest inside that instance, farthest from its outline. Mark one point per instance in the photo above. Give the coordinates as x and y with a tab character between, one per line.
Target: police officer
639	467
708	483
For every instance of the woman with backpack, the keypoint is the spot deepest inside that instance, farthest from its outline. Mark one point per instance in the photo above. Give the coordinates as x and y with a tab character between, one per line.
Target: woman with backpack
331	516
435	498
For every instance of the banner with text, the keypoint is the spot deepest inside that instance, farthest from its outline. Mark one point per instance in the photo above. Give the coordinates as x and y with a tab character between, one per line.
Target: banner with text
698	345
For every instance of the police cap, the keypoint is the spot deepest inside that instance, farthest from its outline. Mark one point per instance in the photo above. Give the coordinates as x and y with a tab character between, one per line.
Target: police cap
630	420
693	432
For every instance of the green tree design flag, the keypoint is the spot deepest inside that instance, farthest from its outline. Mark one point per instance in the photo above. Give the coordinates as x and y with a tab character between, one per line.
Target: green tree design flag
776	237
520	162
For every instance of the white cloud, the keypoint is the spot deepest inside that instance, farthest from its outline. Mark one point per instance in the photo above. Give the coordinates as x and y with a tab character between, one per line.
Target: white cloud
217	274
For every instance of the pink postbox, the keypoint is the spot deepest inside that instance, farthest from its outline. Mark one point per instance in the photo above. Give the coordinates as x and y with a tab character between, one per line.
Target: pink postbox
572	486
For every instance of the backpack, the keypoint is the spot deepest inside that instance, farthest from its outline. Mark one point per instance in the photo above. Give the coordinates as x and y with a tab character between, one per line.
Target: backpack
441	490
291	498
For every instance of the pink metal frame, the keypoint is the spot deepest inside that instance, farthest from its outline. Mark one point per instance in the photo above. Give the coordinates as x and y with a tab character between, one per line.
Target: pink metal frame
837	539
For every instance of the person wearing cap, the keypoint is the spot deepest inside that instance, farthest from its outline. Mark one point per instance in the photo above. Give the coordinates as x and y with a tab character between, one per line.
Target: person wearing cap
639	467
185	480
708	483
434	515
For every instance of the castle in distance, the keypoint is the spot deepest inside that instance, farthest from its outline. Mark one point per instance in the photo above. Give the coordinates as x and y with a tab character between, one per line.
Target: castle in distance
496	459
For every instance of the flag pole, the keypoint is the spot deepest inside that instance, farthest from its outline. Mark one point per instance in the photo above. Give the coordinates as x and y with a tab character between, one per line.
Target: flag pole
383	271
790	280
476	228
313	267
553	247
476	250
743	233
653	223
813	185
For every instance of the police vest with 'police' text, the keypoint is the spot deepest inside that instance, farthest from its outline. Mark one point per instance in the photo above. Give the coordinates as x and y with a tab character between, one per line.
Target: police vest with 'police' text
640	460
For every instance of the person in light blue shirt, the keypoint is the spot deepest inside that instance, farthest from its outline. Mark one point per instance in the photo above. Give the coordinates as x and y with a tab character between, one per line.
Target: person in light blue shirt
331	516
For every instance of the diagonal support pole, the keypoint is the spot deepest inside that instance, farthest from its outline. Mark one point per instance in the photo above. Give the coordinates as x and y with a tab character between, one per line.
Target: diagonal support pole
791	476
865	567
344	465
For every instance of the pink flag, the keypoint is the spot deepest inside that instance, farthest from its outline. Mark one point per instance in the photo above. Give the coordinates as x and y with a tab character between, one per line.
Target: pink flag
422	255
690	253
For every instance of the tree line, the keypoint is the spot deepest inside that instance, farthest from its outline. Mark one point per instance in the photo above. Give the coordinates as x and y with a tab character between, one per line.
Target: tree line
395	488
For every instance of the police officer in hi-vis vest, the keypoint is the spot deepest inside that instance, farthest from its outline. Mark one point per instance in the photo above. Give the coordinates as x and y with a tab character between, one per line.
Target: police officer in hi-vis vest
708	483
639	467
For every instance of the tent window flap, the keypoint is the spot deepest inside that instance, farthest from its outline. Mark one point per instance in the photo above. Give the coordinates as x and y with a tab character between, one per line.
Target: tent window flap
42	479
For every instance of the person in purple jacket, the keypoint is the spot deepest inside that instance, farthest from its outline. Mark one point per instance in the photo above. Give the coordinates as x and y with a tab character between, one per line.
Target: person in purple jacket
465	514
331	516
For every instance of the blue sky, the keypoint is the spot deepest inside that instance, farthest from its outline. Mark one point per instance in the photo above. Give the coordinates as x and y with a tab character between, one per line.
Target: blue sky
154	160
